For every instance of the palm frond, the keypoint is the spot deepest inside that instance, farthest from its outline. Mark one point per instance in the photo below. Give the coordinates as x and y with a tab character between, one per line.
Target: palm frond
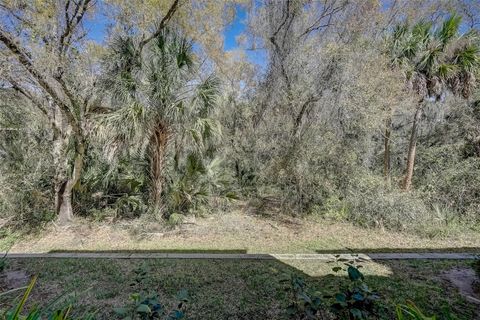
421	31
207	94
468	57
449	29
447	70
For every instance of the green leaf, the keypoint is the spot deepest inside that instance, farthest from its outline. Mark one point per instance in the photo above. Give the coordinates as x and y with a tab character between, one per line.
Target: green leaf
182	295
176	314
411	310
291	310
120	311
143	308
354	274
358	297
19	308
340	297
356	313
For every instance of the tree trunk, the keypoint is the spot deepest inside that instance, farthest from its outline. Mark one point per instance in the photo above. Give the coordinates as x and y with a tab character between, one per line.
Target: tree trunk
60	179
386	154
60	160
158	149
63	196
407	181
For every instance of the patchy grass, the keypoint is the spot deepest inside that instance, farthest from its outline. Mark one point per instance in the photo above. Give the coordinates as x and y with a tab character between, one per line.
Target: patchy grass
240	232
8	238
232	289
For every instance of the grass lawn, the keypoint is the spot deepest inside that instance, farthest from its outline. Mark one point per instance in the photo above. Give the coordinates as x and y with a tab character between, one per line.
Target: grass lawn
232	289
240	232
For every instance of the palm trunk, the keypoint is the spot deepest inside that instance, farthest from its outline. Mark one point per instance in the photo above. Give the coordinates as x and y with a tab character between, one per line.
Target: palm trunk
158	149
386	154
407	181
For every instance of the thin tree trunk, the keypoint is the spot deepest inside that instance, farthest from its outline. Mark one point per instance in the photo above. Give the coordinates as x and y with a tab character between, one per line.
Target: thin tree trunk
158	149
386	154
60	164
407	181
64	194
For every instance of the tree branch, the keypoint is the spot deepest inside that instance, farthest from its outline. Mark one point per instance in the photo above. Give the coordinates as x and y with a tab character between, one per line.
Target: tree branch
71	23
17	87
161	26
328	11
25	61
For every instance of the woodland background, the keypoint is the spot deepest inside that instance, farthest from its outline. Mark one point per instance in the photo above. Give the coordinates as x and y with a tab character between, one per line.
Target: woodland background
364	111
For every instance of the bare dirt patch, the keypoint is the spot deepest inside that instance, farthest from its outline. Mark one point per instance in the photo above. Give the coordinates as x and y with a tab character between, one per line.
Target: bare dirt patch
13	279
465	280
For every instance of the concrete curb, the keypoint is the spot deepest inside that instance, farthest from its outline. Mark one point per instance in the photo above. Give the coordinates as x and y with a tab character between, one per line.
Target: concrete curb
245	256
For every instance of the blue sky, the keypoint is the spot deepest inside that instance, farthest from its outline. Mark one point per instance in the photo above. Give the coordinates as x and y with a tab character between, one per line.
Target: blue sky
97	27
235	29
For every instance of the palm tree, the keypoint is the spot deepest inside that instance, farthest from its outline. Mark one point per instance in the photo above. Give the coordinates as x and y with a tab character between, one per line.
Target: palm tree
434	61
155	94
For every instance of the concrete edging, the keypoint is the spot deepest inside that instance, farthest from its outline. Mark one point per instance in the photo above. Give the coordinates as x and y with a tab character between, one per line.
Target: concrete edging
246	256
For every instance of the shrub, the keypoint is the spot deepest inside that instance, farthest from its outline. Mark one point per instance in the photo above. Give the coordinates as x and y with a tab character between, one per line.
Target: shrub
150	308
455	186
145	305
304	305
354	301
195	184
370	203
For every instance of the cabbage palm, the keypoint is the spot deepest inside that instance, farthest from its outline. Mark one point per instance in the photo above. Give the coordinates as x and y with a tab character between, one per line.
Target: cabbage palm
435	61
154	95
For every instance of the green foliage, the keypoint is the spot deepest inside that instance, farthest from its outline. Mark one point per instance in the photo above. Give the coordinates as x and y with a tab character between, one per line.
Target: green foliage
141	307
16	313
304	305
410	311
370	203
195	182
354	301
3	263
110	192
451	182
149	307
175	219
26	172
357	300
172	131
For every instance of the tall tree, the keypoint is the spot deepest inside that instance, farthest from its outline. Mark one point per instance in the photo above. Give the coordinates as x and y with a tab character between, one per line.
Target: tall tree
40	42
153	93
46	59
435	60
